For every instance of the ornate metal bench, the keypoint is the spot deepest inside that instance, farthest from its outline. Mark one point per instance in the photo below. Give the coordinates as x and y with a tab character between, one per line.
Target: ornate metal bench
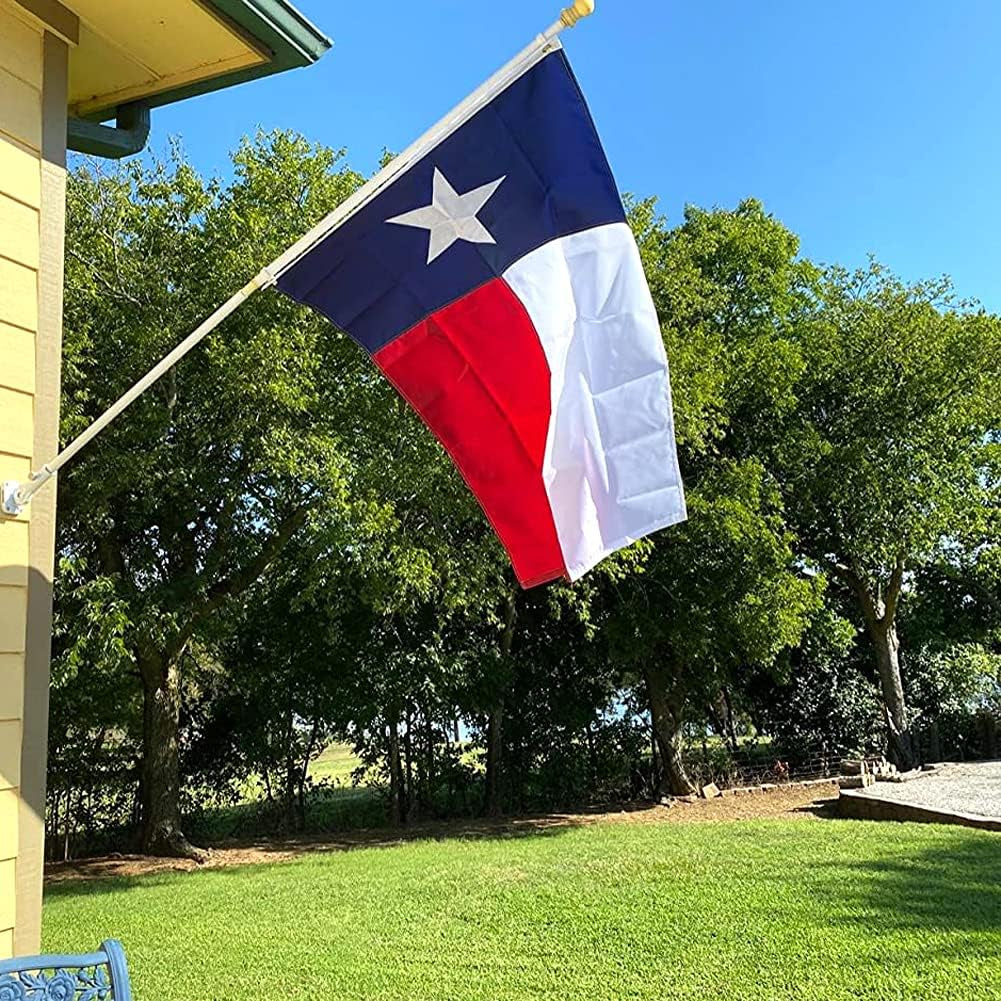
91	976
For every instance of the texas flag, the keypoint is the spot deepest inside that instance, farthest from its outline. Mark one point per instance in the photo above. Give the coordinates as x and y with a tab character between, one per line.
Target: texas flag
497	285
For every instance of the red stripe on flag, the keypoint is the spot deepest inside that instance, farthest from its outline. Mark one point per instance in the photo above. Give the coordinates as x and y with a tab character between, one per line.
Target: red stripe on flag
476	373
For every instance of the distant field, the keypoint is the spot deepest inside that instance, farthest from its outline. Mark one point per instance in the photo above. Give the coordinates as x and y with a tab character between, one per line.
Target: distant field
338	805
816	910
335	764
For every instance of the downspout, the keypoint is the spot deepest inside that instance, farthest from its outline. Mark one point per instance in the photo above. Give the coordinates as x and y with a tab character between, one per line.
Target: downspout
127	136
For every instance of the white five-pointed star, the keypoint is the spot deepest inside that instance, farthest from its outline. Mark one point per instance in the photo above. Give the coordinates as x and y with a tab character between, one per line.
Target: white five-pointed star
451	216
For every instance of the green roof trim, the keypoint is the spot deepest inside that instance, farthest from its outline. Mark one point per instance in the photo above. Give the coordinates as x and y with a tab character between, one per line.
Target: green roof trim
274	25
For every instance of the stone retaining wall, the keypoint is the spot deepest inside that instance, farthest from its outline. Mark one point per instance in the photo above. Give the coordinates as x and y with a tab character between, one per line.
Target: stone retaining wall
862	806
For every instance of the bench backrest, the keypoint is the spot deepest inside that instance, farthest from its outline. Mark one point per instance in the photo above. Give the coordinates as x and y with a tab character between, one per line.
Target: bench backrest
91	976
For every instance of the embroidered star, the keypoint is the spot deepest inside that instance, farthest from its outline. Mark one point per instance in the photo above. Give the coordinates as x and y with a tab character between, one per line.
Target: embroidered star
451	216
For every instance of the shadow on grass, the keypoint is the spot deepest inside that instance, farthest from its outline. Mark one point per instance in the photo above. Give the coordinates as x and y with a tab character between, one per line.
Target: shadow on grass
390	837
328	809
124	872
822	809
952	884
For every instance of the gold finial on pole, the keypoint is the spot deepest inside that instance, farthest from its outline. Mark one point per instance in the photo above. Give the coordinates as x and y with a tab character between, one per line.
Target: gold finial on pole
581	8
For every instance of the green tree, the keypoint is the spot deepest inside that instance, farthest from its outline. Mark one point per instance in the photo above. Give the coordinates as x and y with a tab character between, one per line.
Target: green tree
822	698
886	455
722	592
95	709
184	503
272	693
721	596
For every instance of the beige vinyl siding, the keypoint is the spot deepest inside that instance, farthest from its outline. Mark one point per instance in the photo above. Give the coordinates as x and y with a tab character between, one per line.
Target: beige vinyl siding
18	232
20	48
10	753
17	423
18	293
11	686
13	617
21	73
7	896
8	825
20	110
17	348
19	170
13	558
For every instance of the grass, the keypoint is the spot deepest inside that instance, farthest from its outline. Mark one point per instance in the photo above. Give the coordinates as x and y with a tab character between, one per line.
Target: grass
336	764
750	910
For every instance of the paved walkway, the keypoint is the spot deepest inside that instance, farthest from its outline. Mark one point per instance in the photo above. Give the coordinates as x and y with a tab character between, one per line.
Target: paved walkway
973	787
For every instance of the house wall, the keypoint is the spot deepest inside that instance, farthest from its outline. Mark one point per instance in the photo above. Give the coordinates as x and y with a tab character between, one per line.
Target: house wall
33	73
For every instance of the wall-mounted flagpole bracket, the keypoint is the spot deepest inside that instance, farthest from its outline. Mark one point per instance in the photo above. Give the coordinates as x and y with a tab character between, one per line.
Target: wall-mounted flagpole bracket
11	504
16	495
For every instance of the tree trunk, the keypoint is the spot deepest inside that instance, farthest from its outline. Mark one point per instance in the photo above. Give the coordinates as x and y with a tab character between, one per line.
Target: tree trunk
303	776
495	723
731	726
428	784
412	812
887	646
289	821
159	668
161	781
68	819
667	702
291	769
656	782
395	774
879	610
592	759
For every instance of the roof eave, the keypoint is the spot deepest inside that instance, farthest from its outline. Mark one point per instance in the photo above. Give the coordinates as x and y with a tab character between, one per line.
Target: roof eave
275	26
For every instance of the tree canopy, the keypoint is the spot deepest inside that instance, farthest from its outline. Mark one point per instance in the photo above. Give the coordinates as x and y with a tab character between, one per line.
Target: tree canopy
269	551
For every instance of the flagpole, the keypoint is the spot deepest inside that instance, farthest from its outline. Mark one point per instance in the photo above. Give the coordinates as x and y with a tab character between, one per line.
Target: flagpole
16	495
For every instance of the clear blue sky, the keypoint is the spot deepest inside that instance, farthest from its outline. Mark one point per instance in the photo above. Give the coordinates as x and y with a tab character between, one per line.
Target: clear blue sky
864	127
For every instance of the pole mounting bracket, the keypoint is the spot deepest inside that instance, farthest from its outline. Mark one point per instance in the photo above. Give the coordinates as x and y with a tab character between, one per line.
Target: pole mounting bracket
10	503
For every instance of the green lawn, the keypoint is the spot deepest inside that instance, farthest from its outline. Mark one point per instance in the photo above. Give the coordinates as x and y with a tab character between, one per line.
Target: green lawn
336	763
767	909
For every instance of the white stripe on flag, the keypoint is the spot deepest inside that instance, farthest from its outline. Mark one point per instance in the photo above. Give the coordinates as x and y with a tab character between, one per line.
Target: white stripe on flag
611	465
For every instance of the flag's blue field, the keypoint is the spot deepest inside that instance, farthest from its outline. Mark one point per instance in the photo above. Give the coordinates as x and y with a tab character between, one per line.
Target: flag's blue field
750	910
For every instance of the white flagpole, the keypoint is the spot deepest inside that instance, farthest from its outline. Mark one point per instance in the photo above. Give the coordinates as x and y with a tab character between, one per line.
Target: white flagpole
16	495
